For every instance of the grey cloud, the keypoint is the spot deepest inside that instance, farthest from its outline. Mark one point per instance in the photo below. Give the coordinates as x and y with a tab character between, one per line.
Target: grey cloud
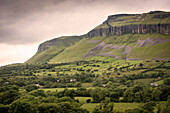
30	21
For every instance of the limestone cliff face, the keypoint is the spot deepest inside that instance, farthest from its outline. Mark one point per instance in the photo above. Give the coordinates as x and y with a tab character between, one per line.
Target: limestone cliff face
63	41
134	29
152	22
46	45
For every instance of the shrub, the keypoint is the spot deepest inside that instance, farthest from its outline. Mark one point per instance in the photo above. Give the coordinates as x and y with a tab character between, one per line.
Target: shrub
88	100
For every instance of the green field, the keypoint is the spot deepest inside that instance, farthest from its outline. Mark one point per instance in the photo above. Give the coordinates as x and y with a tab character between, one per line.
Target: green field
90	106
61	89
146	81
117	106
56	89
87	85
82	100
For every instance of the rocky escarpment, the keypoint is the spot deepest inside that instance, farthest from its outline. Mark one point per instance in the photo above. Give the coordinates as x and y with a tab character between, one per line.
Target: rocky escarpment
152	22
127	29
44	46
64	41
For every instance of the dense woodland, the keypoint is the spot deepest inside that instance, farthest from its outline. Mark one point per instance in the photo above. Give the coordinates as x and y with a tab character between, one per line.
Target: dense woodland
22	86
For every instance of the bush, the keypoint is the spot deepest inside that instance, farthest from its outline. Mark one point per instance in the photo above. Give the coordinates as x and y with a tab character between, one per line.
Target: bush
149	106
4	108
8	96
38	93
78	84
166	81
88	100
21	107
30	88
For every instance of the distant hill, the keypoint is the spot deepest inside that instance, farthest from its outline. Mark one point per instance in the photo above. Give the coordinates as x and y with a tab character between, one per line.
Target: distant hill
124	36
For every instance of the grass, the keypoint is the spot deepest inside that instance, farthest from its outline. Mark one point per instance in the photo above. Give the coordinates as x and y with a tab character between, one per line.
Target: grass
146	81
90	106
75	51
117	106
151	52
82	100
125	106
87	85
61	44
60	89
56	89
160	81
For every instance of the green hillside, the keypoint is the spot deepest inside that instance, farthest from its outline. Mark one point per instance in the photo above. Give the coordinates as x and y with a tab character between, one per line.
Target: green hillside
153	44
61	44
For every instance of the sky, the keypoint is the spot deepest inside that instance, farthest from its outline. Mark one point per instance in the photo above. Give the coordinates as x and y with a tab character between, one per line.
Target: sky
24	24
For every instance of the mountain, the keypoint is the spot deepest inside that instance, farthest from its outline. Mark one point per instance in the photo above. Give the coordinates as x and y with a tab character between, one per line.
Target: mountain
123	36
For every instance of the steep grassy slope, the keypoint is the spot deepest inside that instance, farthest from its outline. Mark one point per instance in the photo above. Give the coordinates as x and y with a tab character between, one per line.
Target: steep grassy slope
77	51
119	47
50	49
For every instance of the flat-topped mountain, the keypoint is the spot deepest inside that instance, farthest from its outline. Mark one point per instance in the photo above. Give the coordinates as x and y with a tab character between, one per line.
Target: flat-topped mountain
123	36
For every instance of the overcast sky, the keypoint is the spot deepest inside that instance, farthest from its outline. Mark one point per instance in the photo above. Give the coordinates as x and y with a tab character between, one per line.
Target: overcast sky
24	24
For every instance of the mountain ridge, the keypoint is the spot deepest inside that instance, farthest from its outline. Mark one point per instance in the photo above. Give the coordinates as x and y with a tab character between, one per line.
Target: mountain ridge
144	30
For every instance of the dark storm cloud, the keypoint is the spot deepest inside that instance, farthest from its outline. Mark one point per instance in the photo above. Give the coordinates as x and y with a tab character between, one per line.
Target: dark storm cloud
30	21
12	14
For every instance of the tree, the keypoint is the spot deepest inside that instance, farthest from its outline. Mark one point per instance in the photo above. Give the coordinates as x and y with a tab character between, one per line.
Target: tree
138	97
122	81
166	81
88	100
141	65
30	88
38	93
129	83
106	106
99	94
48	108
21	107
156	94
4	108
128	95
146	95
164	108
70	93
165	91
9	96
114	97
149	107
78	84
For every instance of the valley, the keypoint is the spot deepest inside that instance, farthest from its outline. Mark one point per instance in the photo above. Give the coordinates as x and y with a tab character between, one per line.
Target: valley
120	66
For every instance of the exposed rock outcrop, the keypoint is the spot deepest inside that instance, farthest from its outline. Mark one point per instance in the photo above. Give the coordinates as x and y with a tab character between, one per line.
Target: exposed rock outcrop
127	29
46	45
150	41
103	52
133	23
63	41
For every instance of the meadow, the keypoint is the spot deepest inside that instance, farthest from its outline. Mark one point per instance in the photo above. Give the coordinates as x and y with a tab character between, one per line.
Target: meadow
117	106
